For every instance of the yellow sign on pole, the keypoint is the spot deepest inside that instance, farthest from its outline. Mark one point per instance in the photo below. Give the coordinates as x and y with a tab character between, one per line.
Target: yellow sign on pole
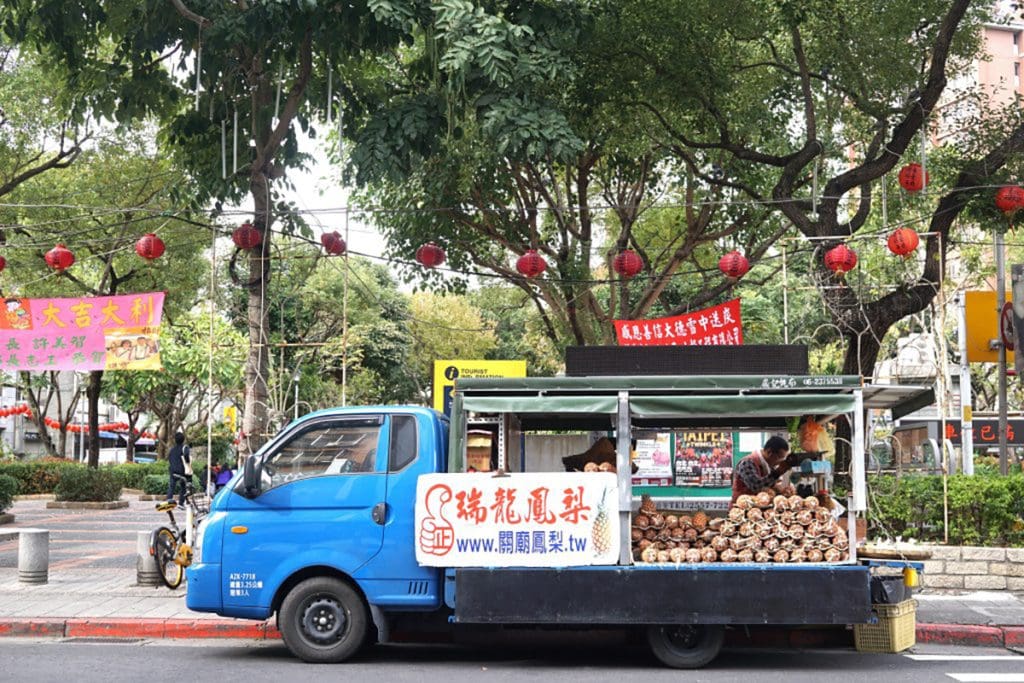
447	371
982	315
231	418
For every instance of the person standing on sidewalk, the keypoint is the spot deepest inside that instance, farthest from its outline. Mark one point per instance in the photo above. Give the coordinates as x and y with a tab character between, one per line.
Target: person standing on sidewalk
180	460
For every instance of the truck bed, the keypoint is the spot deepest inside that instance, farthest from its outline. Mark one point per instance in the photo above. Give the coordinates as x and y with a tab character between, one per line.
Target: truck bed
665	594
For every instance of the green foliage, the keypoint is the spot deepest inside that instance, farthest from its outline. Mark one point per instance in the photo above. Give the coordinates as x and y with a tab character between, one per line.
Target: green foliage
8	489
131	475
85	484
984	509
38	476
156	484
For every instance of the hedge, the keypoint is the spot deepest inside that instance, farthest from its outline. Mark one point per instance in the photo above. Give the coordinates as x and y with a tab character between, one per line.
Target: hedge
8	488
88	484
157	483
984	509
131	475
38	476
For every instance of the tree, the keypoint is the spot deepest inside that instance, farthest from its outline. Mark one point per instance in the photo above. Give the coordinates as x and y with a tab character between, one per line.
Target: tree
494	135
194	66
111	196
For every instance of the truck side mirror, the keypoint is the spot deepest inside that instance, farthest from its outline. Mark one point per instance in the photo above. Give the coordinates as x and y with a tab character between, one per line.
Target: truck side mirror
251	476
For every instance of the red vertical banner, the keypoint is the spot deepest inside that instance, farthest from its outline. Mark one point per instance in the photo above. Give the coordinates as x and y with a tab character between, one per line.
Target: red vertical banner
716	326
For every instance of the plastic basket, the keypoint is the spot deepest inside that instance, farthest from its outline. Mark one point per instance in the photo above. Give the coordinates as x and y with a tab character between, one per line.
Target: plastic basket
894	632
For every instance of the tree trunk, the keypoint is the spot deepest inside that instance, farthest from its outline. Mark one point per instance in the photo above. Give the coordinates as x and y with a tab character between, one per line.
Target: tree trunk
129	450
92	394
255	420
39	416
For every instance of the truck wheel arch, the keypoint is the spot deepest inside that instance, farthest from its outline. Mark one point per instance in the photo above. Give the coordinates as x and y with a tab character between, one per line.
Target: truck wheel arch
376	614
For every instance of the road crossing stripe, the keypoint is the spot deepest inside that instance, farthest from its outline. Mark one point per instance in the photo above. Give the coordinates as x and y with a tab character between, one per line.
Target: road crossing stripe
988	678
962	658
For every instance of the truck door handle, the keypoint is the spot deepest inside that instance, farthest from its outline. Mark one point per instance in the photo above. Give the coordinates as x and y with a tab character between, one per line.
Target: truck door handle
379	512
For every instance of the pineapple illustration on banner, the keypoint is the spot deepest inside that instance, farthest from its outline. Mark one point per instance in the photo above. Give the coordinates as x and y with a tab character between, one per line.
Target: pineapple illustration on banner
544	519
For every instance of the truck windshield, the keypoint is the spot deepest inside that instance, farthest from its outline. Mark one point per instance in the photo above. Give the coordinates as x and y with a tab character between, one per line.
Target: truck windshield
331	446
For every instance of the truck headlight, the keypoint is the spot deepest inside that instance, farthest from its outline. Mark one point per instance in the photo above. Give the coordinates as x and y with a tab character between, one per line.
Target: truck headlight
197	545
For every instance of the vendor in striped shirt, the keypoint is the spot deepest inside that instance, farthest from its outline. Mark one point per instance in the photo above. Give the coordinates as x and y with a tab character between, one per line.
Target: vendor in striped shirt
763	470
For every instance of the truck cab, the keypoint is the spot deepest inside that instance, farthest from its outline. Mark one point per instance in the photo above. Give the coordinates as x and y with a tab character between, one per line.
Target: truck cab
318	525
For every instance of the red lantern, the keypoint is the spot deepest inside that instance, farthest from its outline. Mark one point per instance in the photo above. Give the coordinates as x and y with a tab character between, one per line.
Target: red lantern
430	255
3	263
531	264
246	236
840	259
903	241
149	247
734	264
1009	199
333	243
60	258
627	263
913	178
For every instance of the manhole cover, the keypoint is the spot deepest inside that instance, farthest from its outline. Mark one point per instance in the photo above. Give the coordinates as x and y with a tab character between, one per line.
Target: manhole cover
97	639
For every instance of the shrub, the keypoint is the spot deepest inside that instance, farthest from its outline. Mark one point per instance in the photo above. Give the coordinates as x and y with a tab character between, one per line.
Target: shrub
87	484
8	487
157	483
984	509
38	476
131	475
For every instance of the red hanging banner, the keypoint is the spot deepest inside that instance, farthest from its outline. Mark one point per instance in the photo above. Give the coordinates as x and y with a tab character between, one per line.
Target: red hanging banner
716	326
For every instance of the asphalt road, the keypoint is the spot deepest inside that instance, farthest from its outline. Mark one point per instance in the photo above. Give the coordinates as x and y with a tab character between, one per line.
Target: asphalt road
85	539
83	661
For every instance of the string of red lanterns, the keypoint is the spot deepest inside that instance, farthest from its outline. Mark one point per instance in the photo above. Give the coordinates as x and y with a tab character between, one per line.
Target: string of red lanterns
26	411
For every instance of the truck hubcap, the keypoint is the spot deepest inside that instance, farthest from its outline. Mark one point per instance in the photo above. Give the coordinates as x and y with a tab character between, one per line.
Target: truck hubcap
682	637
323	620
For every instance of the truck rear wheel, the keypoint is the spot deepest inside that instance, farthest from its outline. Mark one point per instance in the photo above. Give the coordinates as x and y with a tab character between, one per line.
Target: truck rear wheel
685	646
322	620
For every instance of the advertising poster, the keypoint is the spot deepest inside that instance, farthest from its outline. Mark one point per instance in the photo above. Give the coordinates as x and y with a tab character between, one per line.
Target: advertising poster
83	333
653	458
703	459
544	519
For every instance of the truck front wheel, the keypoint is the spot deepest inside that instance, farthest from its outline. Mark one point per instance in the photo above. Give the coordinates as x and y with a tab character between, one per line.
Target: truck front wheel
323	620
685	646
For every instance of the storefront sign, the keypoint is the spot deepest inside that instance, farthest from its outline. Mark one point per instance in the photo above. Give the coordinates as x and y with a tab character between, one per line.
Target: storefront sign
447	371
704	459
719	325
85	333
519	520
986	432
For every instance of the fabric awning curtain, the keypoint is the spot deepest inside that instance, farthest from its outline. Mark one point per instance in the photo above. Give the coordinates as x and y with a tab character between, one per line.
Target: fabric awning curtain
540	404
722	406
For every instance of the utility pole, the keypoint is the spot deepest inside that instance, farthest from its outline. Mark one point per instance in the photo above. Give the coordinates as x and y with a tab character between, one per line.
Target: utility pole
1000	248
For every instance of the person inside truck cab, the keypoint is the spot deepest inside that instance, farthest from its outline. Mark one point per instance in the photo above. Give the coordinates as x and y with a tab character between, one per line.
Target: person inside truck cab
764	469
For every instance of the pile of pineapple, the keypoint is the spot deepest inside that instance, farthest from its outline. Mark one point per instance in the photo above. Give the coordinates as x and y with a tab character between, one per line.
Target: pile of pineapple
761	528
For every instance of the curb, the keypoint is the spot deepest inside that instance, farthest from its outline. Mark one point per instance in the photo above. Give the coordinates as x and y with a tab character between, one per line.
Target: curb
970	634
138	628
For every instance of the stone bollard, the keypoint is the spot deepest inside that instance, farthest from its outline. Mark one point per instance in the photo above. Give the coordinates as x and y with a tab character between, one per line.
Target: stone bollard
33	555
146	572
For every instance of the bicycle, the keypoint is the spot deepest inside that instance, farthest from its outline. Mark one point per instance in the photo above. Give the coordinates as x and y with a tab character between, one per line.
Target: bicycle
170	545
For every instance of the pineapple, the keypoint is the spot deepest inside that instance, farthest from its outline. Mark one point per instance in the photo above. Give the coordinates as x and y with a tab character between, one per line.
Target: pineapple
700	520
647	505
602	533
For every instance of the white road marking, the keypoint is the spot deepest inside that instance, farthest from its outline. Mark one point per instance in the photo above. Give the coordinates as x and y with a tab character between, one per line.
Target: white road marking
962	658
988	678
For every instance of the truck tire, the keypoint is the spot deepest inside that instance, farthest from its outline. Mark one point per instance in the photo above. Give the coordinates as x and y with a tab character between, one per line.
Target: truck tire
322	620
685	646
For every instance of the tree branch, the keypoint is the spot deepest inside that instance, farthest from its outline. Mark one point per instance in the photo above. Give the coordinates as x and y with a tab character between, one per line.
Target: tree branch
199	19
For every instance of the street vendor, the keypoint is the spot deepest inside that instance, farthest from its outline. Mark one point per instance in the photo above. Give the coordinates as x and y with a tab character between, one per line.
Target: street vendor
764	470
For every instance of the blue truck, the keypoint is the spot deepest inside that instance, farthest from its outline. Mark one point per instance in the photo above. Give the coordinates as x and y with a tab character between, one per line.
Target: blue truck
320	527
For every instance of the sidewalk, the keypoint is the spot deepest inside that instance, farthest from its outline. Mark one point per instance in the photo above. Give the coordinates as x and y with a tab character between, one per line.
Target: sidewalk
107	603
